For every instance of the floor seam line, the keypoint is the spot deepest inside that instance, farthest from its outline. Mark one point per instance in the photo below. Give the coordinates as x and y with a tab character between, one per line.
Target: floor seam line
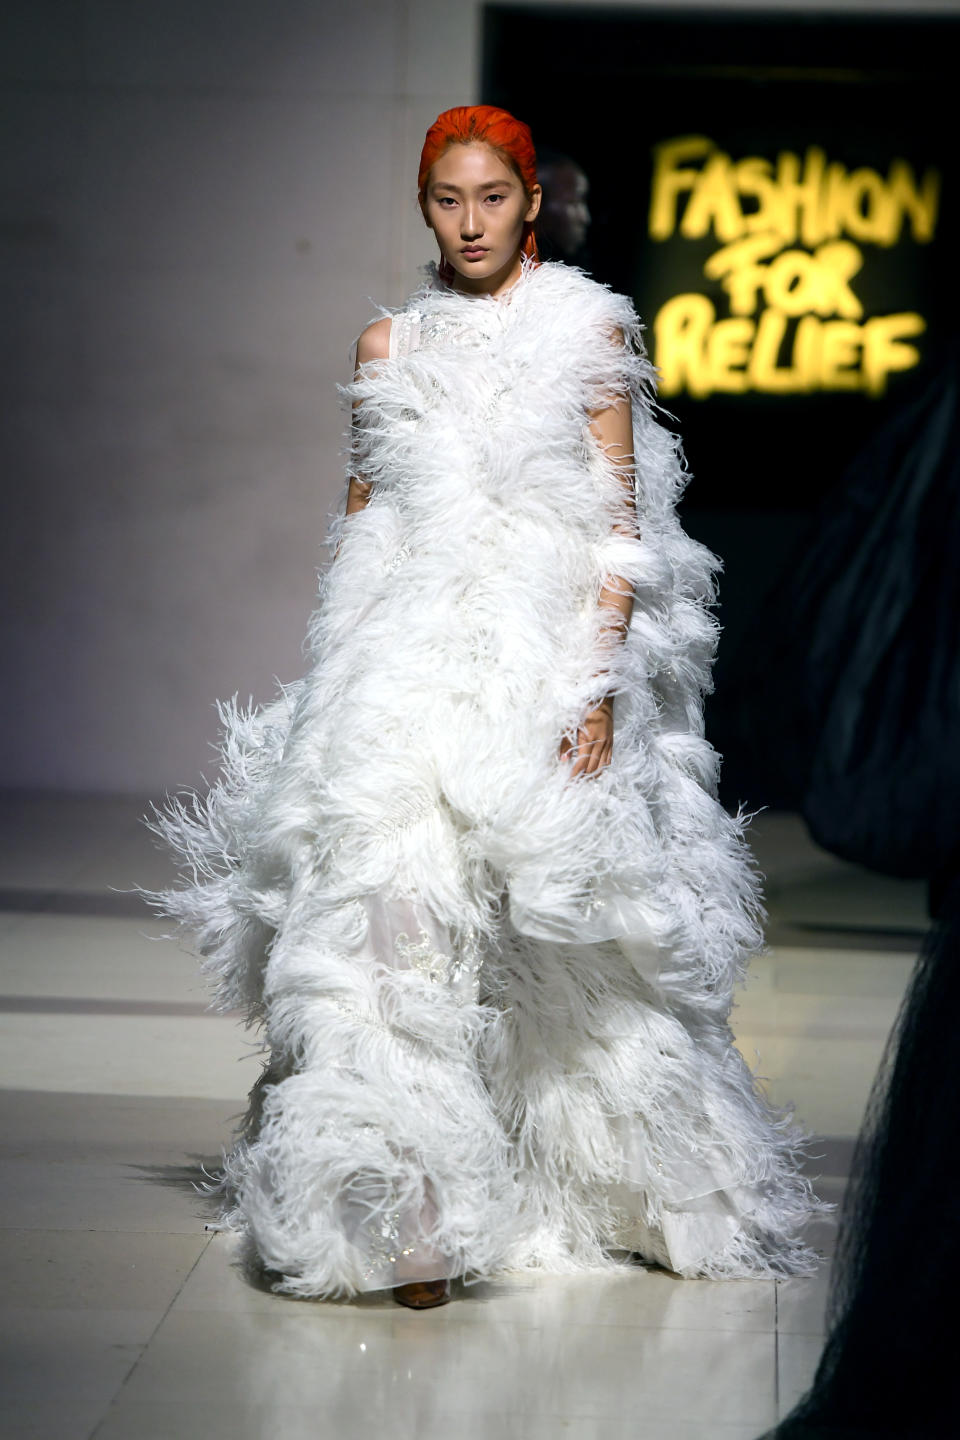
146	1345
776	1349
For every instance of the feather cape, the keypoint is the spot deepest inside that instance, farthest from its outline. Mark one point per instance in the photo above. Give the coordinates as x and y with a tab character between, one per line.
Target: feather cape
494	998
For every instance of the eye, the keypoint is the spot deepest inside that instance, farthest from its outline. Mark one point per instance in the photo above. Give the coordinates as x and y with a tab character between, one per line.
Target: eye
495	197
444	200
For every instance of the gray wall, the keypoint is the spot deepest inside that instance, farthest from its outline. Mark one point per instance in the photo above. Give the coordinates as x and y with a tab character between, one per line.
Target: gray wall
202	203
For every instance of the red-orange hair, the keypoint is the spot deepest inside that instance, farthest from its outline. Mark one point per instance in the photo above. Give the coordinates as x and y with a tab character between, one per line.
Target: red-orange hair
503	132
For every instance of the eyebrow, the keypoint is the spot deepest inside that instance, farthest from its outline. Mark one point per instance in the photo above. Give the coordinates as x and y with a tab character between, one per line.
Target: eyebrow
484	185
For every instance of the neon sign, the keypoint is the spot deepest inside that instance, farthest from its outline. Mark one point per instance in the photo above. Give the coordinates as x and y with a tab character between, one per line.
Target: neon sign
791	254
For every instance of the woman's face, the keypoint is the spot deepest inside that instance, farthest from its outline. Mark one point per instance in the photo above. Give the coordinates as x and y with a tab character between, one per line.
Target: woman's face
476	206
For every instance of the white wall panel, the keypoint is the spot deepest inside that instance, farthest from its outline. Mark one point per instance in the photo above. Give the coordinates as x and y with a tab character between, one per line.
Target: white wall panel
201	204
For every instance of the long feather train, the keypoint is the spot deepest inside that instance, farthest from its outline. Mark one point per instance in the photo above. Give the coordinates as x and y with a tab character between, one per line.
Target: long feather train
495	999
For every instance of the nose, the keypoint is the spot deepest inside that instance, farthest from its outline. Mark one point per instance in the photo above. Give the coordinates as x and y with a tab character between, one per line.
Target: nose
471	225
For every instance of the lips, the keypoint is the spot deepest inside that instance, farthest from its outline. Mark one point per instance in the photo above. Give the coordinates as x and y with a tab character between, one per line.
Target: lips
471	250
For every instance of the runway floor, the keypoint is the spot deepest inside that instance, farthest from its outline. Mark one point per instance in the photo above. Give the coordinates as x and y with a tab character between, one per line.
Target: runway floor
124	1319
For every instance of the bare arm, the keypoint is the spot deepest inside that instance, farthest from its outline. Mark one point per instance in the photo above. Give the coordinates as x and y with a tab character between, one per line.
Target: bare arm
373	344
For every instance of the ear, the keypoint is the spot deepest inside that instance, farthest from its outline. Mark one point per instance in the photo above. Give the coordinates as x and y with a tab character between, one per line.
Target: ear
423	213
533	210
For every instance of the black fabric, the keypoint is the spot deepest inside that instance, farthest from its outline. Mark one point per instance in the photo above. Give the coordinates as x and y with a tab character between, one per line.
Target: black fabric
889	1364
877	723
857	654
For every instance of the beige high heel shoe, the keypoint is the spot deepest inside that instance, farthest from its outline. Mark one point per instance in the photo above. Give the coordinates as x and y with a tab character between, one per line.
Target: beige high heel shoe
422	1294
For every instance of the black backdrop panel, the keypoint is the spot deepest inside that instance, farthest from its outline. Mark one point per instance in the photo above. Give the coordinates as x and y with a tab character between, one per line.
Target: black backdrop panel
777	380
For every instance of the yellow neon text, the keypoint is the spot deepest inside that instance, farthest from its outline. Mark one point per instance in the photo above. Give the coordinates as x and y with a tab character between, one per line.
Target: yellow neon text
794	282
806	201
703	355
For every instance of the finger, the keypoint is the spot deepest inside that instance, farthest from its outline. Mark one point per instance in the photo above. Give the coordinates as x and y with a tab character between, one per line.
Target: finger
582	761
588	752
601	758
595	756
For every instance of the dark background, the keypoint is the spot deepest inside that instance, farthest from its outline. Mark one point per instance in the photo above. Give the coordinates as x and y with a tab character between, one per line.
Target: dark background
605	87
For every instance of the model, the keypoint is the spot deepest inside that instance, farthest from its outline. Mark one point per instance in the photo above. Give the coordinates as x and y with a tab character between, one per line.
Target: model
469	874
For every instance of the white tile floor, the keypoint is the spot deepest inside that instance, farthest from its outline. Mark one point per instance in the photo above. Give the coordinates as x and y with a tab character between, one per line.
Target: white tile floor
124	1319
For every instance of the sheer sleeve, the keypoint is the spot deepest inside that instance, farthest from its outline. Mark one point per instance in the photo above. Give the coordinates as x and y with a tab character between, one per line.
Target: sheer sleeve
404	333
612	432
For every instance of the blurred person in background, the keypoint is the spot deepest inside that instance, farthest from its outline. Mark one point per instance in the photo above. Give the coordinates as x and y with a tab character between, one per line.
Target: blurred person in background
563	224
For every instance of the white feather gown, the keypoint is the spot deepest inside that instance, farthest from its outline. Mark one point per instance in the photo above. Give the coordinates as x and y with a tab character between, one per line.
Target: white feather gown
494	998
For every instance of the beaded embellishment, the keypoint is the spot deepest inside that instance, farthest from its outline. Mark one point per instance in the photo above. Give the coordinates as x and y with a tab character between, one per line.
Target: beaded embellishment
383	1244
459	970
422	955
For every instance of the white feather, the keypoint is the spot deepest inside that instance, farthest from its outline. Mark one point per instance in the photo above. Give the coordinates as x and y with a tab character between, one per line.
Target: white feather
580	1092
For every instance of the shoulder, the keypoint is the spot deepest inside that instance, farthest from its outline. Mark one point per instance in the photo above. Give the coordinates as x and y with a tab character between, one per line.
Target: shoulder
585	302
557	277
583	319
594	331
373	342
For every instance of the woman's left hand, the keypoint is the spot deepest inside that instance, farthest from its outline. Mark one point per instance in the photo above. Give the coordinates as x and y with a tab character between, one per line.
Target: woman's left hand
594	744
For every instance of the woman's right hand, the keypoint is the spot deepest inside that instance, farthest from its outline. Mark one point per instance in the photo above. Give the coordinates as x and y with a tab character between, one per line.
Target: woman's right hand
594	743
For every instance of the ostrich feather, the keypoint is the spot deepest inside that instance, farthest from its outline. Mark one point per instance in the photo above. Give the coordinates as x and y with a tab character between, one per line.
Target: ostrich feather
495	998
